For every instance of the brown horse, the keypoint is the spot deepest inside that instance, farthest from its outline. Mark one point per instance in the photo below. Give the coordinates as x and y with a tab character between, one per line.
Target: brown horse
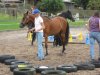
57	26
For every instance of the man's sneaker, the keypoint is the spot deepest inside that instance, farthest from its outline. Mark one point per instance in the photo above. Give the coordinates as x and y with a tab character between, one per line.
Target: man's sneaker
92	60
99	58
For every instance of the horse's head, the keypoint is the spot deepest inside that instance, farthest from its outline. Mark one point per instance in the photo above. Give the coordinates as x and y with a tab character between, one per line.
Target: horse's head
27	20
68	15
22	24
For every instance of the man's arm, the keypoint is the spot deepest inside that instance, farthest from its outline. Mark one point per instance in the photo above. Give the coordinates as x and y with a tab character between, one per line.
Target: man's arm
99	24
33	29
42	24
87	26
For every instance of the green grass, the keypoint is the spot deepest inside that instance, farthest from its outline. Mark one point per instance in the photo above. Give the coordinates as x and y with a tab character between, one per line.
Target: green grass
9	23
9	26
14	24
78	23
4	17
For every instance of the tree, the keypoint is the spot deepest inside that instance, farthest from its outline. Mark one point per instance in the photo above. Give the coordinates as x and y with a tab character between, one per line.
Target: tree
77	2
84	3
32	1
81	3
94	4
36	2
51	6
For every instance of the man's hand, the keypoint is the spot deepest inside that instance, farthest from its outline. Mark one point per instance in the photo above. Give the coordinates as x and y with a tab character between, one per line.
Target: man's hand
31	30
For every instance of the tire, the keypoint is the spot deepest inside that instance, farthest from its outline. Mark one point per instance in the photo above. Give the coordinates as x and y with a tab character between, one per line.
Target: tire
19	62
39	69
53	72
5	57
8	61
67	68
12	67
26	71
96	63
85	66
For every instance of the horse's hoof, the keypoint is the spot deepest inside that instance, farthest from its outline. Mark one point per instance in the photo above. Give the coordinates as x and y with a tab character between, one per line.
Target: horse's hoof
31	44
61	54
46	54
64	53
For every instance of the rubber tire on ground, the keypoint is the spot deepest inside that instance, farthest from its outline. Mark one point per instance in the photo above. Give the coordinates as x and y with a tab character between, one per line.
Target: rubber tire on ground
12	67
53	72
85	66
96	63
26	71
67	68
19	62
5	57
39	70
8	61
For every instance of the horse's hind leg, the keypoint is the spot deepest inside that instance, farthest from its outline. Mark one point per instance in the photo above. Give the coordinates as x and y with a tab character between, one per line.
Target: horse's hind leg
63	42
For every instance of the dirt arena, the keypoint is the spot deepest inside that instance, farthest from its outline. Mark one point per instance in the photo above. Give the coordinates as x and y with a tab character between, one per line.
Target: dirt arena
15	43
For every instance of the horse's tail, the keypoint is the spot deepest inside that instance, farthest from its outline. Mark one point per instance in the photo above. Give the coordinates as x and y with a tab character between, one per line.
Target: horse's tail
67	33
33	37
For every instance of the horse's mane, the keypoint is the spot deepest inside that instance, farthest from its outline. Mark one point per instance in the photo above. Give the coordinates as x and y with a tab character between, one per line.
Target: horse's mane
65	14
45	17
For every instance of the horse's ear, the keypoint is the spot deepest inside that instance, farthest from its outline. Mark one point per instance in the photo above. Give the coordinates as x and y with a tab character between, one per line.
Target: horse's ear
27	12
69	11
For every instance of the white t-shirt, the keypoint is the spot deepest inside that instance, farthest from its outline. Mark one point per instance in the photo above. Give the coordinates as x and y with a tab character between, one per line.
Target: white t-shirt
38	21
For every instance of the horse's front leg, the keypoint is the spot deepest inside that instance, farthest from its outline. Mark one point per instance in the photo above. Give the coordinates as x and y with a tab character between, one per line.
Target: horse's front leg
32	42
32	39
46	46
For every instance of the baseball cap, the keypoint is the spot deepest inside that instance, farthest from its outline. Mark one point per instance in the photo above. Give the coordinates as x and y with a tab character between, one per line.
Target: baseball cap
35	11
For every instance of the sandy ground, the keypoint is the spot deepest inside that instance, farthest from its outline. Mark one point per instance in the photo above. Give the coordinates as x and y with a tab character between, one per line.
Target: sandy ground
15	43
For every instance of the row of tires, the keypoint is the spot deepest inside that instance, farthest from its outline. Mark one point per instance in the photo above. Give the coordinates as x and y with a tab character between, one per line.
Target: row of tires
21	67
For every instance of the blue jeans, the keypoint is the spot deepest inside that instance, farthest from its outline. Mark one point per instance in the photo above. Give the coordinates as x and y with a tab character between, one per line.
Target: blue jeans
94	36
39	36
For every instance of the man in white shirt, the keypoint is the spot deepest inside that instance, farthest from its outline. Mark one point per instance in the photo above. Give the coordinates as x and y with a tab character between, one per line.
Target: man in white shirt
39	26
